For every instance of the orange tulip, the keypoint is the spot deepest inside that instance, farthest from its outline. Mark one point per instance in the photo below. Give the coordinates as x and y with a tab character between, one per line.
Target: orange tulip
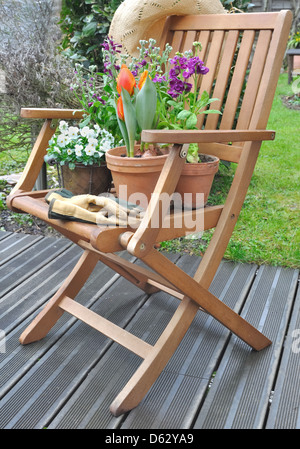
126	80
120	109
143	79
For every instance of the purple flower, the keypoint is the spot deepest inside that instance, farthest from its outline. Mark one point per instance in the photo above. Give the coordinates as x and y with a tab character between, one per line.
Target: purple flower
187	87
101	100
174	72
159	79
111	46
187	73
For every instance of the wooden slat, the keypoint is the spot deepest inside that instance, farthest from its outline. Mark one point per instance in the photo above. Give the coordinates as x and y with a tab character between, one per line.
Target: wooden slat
204	39
42	113
269	79
224	21
224	68
237	81
176	42
231	153
254	78
212	62
206	136
106	327
190	37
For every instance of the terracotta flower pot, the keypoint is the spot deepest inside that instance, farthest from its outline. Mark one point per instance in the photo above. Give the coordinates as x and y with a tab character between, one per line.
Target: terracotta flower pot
85	179
134	177
197	178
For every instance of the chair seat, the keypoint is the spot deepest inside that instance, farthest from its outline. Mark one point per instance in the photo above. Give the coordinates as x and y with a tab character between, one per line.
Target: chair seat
34	203
106	238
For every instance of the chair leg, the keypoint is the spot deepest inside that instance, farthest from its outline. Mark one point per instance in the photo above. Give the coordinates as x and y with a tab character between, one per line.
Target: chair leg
195	295
154	363
46	319
191	288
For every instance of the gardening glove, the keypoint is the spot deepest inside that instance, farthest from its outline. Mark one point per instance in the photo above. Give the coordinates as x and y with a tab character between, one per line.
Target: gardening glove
101	210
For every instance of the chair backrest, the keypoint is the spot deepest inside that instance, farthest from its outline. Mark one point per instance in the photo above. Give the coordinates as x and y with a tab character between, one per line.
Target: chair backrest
244	54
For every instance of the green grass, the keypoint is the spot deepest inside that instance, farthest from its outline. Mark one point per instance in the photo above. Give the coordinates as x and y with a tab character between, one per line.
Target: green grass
267	231
12	161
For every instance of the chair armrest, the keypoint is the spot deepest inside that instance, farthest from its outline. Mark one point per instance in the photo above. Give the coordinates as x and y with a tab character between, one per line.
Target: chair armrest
36	158
205	136
41	113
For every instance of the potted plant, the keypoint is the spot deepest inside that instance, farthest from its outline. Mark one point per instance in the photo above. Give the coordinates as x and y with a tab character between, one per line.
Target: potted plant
151	91
294	42
79	153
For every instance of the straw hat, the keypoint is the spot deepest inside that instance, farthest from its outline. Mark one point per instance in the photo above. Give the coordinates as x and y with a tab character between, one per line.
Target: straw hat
143	19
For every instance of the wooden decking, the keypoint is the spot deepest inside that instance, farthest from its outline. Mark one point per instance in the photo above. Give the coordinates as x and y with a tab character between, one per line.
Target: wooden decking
214	381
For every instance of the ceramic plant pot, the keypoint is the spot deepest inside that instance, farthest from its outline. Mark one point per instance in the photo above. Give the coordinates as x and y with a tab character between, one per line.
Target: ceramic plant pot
85	179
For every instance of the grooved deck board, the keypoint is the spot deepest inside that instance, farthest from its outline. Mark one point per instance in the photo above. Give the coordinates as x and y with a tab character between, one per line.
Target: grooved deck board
239	396
69	379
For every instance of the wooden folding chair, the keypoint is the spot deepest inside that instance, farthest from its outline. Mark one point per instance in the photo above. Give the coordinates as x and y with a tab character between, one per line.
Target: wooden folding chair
241	50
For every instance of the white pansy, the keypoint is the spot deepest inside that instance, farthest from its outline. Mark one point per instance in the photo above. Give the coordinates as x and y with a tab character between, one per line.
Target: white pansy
93	142
78	150
91	134
63	126
69	151
73	132
97	129
105	144
62	140
89	150
84	131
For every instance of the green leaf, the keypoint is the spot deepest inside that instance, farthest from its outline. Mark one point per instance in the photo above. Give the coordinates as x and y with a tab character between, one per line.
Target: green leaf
183	115
204	96
192	156
123	128
191	121
146	102
85	122
130	120
163	125
89	29
212	111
